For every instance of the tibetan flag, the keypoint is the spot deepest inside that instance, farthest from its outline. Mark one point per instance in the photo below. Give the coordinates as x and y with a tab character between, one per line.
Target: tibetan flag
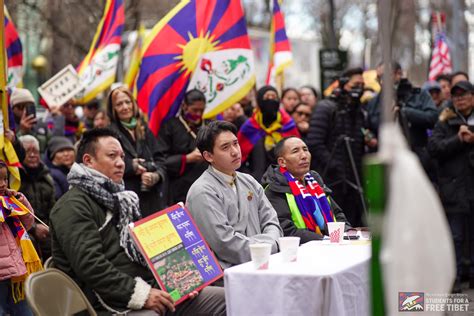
135	59
200	44
98	68
7	152
280	50
14	52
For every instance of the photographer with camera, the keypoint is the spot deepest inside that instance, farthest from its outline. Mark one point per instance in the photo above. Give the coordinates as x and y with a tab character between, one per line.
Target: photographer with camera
414	109
452	145
144	163
336	141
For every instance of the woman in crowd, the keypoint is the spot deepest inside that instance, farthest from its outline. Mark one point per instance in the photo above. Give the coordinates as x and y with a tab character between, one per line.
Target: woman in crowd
37	185
101	119
302	116
267	126
309	95
176	139
18	257
144	164
289	99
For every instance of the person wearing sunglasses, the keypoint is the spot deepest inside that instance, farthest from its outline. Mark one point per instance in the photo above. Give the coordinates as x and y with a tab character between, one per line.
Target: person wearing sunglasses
301	115
90	111
301	199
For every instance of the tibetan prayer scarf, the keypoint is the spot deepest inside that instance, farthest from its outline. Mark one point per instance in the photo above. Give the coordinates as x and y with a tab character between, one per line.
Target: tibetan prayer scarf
10	211
311	201
253	130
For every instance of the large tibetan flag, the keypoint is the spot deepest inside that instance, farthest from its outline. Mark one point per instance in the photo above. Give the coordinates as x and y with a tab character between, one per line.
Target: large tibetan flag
98	68
14	52
280	50
200	44
7	152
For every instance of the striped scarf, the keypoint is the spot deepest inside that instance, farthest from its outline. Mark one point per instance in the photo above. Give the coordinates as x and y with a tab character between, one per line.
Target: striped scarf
122	203
10	211
311	201
254	129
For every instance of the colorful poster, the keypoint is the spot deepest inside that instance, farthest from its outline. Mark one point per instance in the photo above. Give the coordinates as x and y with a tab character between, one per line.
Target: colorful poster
176	252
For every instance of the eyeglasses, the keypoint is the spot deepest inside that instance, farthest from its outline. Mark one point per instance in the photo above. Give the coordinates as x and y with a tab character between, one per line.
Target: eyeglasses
303	113
92	106
69	105
462	95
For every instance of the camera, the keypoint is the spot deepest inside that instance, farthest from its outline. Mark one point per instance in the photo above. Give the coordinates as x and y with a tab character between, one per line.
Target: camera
344	97
404	90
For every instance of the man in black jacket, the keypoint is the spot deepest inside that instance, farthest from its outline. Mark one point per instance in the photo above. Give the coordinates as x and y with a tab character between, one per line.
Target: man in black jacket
415	110
452	144
294	157
336	125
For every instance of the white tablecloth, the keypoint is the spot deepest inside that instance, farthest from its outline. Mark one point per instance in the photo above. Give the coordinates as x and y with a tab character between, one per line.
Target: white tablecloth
327	279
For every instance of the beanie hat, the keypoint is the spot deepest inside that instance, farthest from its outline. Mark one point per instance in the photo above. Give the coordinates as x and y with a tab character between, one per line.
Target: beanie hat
21	96
56	144
431	85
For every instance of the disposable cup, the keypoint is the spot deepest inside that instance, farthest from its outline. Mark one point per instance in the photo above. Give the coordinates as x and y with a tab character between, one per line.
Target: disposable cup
336	231
260	254
289	248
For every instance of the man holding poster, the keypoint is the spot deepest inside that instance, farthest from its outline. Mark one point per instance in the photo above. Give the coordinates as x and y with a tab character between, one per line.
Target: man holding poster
230	208
91	241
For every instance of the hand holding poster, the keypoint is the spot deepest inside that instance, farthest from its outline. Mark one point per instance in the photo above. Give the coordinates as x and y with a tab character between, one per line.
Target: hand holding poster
176	252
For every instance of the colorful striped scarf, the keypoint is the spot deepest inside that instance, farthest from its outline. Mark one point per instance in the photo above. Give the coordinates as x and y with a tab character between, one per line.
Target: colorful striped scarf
10	211
253	130
311	201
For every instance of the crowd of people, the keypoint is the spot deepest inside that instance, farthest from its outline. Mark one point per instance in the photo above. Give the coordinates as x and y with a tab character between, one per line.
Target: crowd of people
274	164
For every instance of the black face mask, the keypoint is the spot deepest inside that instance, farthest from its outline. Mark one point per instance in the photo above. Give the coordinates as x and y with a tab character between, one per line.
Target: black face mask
269	109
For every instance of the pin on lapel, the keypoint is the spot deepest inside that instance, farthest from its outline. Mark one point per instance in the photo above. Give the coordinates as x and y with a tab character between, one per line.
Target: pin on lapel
250	196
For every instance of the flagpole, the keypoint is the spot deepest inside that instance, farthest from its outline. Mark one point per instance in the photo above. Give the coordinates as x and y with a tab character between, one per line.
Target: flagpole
385	8
3	77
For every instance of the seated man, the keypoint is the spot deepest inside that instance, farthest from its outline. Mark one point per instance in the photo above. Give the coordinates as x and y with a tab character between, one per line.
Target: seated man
298	194
91	241
229	207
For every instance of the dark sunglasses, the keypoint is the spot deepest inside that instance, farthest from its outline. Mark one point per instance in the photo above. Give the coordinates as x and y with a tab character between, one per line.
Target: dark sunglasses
303	114
92	106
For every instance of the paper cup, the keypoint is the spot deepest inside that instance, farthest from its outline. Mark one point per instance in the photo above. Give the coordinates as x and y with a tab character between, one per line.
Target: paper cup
260	254
336	231
289	248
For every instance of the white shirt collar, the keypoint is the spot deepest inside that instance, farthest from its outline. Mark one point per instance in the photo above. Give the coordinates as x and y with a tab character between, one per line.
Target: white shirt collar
230	180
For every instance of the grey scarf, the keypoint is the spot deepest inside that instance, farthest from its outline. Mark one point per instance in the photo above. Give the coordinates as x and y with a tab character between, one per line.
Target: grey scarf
115	198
